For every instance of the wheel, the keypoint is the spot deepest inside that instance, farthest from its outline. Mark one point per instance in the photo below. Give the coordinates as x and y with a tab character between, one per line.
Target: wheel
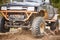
38	27
54	25
2	27
51	12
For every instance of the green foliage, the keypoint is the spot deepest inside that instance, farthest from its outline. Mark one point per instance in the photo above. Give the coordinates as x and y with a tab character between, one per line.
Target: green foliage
3	1
0	1
56	3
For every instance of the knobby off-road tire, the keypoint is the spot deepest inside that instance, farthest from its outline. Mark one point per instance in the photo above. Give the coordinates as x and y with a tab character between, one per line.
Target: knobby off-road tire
51	12
2	25
54	25
38	27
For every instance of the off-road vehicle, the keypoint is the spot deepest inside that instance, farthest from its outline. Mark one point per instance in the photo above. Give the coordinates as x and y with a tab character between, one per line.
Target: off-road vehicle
31	14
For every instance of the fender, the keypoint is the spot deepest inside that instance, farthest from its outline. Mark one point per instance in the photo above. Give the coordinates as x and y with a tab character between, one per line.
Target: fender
43	13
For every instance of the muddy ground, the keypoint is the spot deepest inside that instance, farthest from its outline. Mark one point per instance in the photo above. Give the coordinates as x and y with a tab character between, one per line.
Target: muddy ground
26	35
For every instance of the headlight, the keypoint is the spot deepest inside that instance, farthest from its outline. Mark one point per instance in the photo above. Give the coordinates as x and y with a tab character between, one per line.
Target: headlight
30	8
3	8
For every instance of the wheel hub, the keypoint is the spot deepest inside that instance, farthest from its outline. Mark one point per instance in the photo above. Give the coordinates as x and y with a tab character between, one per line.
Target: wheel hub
42	25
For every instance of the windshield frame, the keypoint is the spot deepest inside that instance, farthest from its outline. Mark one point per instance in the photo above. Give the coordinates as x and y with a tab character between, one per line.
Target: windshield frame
37	1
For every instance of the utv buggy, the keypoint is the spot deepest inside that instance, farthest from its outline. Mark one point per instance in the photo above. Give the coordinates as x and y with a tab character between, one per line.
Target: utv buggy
31	14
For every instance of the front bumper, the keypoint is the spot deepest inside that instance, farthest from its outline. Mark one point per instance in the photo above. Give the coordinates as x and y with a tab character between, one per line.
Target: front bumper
28	13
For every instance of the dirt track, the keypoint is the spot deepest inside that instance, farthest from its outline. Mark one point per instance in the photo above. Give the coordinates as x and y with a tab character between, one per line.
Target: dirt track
26	35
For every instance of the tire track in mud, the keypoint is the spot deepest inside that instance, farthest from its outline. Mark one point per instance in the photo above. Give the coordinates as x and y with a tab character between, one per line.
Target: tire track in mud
24	35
